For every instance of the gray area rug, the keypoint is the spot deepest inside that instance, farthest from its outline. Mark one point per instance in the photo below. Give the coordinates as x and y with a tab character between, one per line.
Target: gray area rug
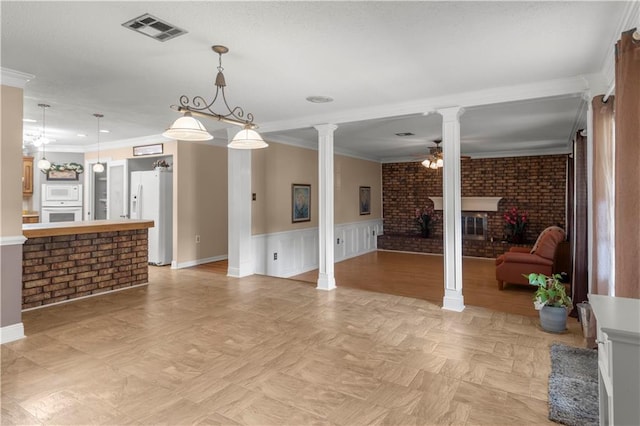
573	385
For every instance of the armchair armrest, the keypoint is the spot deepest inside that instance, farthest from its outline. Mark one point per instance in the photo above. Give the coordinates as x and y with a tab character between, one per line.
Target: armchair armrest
520	249
527	258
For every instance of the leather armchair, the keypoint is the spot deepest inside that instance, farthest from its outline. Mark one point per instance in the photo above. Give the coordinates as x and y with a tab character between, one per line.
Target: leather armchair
519	261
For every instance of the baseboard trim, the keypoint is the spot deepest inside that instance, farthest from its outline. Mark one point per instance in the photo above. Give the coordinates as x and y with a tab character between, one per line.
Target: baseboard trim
190	263
11	333
85	297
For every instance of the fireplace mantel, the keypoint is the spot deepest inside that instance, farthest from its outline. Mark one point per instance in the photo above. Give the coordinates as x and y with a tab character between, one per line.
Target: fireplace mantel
472	204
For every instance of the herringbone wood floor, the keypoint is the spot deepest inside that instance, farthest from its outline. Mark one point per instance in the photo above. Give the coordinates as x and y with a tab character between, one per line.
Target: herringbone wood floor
194	347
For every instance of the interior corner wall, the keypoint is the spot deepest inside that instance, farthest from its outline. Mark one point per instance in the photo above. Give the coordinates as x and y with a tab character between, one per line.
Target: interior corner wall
200	203
276	168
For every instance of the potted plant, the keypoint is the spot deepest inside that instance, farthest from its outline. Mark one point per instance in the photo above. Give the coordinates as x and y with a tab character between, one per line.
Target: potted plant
551	300
515	225
423	219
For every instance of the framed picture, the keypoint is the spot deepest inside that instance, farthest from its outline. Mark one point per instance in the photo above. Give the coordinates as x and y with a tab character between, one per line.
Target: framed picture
300	202
365	200
147	149
62	175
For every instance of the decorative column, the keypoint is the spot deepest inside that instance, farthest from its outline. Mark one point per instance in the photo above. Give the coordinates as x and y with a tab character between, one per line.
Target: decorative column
452	230
326	278
239	203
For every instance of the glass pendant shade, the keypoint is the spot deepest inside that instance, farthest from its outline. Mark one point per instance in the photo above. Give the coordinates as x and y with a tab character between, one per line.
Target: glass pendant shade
426	163
98	168
440	162
187	128
44	164
247	139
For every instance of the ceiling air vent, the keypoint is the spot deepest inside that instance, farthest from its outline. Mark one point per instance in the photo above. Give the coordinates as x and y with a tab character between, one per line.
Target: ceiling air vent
153	27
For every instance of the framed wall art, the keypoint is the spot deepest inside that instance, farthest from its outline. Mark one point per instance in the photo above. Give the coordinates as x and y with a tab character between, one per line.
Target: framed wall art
148	149
365	200
62	175
300	202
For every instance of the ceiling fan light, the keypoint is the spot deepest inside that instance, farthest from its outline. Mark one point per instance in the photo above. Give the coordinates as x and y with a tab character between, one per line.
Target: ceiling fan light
426	163
247	139
44	164
433	165
439	163
187	128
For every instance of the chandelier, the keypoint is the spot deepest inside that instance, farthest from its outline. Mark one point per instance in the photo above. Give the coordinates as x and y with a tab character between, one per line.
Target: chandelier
43	164
434	160
188	128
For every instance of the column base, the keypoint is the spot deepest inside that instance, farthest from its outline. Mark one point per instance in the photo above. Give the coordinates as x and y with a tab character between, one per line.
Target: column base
239	272
326	282
453	301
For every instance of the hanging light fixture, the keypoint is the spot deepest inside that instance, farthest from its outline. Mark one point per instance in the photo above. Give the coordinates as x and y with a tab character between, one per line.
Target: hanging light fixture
189	128
98	167
434	159
43	164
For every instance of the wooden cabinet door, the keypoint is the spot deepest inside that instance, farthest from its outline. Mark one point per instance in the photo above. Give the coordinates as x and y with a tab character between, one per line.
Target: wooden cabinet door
27	175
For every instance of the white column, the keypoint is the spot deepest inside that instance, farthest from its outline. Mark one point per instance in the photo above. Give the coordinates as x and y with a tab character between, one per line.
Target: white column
240	245
326	278
591	279
452	231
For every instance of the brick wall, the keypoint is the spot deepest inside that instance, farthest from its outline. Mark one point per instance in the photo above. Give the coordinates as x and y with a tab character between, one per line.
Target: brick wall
69	266
535	184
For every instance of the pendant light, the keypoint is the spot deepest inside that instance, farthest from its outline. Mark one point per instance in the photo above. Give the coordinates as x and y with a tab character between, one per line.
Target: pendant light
188	128
43	164
98	167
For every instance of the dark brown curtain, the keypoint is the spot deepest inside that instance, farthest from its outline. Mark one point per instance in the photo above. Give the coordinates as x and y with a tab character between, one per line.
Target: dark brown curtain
627	171
603	197
580	276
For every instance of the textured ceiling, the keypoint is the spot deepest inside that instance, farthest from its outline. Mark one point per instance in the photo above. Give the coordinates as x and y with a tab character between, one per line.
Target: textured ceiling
380	61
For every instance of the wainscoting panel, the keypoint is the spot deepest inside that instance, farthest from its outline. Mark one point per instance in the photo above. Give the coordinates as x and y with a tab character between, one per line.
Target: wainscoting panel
297	251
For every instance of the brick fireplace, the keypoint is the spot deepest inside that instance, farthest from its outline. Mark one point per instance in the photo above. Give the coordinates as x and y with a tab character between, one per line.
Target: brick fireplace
536	184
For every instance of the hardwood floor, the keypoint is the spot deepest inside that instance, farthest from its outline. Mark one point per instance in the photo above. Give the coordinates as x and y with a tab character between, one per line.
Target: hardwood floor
195	347
422	276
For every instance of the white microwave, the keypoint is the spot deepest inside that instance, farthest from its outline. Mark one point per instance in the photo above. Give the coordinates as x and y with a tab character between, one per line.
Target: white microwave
69	194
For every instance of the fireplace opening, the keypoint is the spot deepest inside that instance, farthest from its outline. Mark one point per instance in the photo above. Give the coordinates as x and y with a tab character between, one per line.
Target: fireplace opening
474	226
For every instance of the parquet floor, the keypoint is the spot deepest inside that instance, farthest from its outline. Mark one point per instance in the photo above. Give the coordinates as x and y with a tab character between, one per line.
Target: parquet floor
195	347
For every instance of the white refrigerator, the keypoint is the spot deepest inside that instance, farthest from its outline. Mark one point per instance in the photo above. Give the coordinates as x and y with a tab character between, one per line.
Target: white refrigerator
152	199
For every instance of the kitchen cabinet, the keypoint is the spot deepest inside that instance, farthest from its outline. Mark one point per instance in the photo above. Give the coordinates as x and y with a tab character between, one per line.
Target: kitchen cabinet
618	322
30	218
27	176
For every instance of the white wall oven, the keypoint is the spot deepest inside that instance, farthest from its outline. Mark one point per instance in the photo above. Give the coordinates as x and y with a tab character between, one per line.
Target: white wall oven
61	203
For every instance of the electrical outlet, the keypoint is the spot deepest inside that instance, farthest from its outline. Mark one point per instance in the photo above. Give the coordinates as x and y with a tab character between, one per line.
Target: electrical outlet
275	256
373	232
338	240
197	239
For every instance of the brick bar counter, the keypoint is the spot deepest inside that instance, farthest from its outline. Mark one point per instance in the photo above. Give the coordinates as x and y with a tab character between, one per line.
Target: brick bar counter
66	260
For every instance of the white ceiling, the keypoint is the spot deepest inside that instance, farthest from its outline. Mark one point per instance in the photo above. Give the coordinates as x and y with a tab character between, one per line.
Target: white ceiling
517	67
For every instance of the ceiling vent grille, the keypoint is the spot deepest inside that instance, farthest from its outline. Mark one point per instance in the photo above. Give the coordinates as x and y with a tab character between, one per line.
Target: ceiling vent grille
153	27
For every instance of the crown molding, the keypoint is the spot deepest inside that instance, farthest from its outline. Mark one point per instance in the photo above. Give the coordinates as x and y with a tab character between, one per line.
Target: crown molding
492	154
573	86
14	78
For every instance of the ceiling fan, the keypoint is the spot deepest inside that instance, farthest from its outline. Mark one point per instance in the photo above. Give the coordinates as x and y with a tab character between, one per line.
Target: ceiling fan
435	159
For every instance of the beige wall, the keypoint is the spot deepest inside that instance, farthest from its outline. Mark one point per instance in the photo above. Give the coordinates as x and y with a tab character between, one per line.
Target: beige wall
276	168
201	201
349	175
11	162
